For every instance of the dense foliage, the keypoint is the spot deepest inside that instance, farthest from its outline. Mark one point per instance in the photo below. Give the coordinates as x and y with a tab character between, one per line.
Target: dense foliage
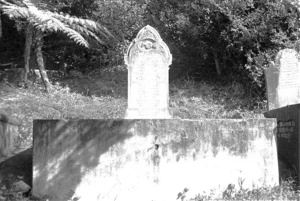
221	39
232	37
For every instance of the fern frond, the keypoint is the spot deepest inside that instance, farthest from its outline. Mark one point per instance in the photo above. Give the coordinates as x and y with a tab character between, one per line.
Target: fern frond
28	3
90	34
74	20
88	24
3	2
41	21
75	36
45	20
77	28
15	12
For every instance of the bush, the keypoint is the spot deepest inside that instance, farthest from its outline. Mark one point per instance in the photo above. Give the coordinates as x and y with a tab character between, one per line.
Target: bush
234	39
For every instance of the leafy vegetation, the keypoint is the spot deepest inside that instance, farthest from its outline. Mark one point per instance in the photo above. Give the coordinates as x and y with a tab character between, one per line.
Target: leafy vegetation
234	39
220	49
37	20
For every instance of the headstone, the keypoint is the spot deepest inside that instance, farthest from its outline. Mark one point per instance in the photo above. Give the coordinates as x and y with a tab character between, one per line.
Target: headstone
148	59
283	80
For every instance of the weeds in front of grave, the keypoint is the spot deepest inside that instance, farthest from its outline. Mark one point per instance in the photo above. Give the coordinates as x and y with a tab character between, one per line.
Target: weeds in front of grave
29	104
193	100
286	191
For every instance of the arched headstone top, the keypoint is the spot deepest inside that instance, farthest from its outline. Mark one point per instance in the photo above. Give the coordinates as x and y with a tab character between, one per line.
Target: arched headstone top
148	41
286	54
149	32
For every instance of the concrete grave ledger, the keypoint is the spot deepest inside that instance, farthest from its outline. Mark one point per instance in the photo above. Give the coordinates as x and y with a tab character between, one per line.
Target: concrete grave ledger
283	80
148	59
117	160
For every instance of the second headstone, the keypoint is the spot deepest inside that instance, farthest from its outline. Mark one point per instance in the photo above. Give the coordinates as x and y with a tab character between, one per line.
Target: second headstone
283	80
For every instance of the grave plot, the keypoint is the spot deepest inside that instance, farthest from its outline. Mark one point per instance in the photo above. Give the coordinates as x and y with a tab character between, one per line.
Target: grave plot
149	156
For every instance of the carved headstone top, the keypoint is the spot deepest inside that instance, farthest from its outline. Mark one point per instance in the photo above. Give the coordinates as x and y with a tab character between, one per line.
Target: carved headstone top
283	80
148	40
148	59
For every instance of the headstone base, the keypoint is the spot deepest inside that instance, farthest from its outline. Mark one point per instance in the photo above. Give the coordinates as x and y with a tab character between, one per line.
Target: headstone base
149	113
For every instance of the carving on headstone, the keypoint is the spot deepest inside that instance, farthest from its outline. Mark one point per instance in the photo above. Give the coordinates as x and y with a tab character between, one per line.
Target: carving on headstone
148	59
283	80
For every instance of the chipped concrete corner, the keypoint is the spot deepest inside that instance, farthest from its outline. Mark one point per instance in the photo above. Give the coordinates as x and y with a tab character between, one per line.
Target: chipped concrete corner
150	159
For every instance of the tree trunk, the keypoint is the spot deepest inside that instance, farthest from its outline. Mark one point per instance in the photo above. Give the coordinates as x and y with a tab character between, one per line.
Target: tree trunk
63	64
217	63
28	44
40	60
1	32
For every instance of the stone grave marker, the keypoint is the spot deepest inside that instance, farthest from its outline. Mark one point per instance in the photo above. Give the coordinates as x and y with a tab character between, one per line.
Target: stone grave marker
283	80
148	59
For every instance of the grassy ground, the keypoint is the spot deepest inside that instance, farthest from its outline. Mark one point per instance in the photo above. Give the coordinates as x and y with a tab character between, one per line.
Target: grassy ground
103	94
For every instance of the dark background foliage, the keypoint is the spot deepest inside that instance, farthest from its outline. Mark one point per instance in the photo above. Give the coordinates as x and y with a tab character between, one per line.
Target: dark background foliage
232	40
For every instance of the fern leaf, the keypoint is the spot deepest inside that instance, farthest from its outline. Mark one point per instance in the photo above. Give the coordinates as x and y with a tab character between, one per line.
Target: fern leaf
76	20
15	12
46	20
92	24
94	36
71	20
75	36
91	34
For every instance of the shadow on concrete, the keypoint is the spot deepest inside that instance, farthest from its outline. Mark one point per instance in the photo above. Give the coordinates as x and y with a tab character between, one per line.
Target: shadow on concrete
65	151
15	168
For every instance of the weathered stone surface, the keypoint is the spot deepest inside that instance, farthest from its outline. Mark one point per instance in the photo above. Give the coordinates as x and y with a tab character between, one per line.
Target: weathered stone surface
20	187
288	130
15	168
9	131
150	159
148	59
283	80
